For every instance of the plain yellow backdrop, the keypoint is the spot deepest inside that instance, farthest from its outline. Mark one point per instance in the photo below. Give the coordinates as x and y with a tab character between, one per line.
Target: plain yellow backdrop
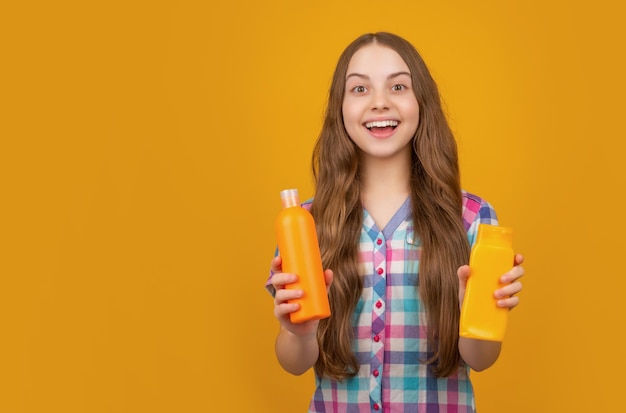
143	146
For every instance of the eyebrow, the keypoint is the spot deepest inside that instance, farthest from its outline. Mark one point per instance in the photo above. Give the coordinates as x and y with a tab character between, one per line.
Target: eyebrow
391	76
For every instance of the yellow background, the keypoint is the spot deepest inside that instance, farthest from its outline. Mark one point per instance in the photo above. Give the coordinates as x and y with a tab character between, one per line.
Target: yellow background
143	146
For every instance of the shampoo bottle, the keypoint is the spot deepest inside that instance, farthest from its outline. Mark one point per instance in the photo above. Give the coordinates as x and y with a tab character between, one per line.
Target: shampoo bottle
491	256
299	248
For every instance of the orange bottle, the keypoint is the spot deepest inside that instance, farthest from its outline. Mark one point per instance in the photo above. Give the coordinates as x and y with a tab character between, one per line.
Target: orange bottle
300	252
491	256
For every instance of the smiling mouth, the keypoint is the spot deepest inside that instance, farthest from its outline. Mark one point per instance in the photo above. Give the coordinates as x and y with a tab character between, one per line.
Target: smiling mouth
383	124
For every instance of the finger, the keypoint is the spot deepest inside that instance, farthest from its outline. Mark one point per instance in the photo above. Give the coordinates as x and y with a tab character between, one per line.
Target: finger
519	259
281	279
509	290
512	275
283	310
509	302
283	295
277	264
329	276
463	273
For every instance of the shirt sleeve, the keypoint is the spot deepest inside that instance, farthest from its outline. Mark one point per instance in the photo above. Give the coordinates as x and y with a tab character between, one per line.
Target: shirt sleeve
480	212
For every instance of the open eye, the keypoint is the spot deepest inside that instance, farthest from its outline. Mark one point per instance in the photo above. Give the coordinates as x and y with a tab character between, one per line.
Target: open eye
359	89
398	88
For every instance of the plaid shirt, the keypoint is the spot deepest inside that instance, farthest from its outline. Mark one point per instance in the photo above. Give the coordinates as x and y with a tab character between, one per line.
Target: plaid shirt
390	328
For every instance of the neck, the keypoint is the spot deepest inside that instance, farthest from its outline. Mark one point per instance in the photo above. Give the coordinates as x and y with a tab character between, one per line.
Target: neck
386	178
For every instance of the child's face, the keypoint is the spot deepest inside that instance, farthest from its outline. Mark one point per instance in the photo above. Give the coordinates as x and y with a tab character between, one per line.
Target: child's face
380	111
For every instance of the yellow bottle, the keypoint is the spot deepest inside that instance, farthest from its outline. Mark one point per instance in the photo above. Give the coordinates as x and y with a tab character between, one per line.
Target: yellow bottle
491	256
300	252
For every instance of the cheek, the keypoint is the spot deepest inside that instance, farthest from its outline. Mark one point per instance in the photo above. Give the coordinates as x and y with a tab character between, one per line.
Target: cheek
345	109
412	111
349	114
351	120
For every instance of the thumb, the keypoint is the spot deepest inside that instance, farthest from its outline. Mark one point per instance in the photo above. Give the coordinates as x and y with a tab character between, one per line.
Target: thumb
328	278
463	273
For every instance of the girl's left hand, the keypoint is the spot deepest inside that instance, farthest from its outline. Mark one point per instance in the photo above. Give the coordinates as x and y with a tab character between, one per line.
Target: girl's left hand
506	295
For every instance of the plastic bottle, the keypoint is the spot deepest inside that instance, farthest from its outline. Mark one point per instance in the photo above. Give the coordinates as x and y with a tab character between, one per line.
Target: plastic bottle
491	256
300	252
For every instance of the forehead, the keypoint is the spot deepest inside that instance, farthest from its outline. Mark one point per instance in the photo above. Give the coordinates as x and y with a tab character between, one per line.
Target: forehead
376	59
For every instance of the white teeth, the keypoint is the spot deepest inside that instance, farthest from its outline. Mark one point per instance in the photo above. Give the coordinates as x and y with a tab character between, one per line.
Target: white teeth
381	124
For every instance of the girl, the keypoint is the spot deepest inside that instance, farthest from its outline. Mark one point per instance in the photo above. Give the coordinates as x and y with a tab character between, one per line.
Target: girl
395	231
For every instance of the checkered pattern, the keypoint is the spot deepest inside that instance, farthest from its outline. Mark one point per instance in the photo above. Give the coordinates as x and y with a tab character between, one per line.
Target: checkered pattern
390	328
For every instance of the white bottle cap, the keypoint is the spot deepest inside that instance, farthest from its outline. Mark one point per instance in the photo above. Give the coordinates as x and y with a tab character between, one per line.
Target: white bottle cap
289	198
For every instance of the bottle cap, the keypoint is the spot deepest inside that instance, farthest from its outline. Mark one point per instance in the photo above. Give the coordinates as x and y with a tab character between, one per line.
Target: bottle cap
289	198
494	233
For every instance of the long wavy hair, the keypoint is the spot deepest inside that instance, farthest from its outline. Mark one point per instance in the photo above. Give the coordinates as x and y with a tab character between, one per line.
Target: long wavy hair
436	211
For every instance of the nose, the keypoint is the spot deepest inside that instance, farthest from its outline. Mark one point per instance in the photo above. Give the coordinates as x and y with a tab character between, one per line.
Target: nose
380	100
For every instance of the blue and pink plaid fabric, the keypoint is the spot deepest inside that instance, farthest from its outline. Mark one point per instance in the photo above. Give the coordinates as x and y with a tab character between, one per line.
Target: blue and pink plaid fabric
390	328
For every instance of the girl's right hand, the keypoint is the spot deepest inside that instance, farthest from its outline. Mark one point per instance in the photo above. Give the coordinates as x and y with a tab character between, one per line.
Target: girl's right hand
282	306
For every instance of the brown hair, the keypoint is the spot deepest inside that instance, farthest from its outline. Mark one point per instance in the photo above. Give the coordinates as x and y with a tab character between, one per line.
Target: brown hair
437	209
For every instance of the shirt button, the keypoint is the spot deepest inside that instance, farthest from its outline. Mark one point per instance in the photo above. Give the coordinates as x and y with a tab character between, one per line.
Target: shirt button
376	339
379	241
376	406
380	271
375	373
378	304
